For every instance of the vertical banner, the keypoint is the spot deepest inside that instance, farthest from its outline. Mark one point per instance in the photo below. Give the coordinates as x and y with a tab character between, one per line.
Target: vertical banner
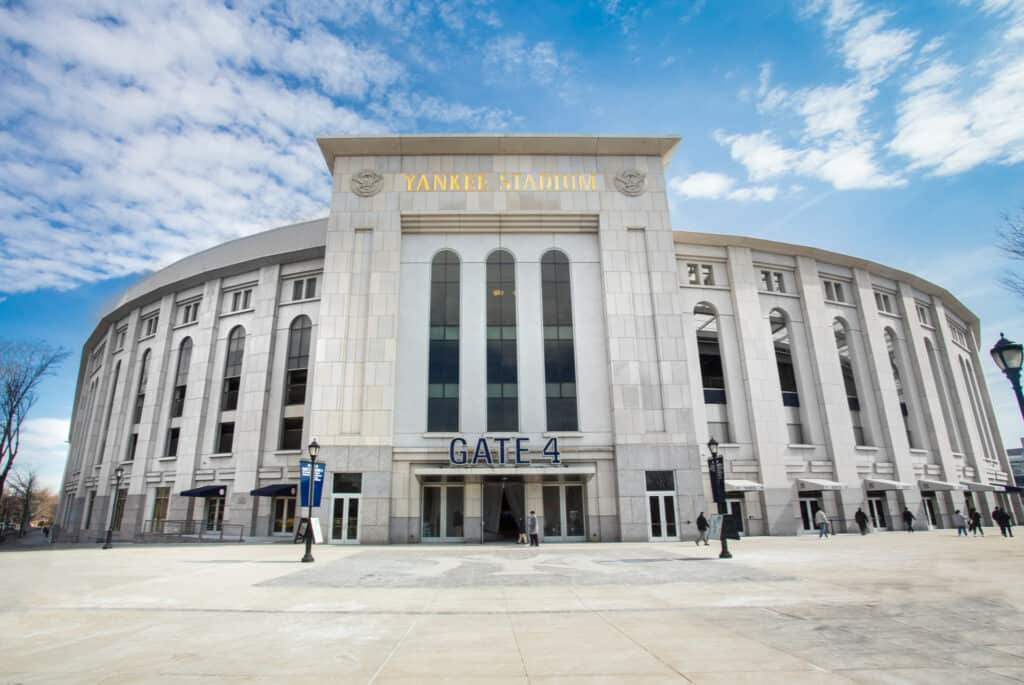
716	469
318	484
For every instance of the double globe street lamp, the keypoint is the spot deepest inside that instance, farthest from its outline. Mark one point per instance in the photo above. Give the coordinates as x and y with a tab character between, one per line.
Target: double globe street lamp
118	474
1008	357
314	450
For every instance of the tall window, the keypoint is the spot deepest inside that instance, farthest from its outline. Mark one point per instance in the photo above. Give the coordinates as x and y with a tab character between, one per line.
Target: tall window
890	344
118	514
783	344
712	373
233	368
181	378
443	365
849	380
502	372
559	350
940	384
298	360
140	396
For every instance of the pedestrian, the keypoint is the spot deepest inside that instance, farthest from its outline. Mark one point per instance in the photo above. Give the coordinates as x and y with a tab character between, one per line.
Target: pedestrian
521	538
822	522
532	526
960	522
975	519
908	520
702	529
862	521
1002	518
46	531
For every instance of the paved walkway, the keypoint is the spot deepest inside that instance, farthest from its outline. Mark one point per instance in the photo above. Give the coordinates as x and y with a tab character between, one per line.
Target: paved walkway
885	608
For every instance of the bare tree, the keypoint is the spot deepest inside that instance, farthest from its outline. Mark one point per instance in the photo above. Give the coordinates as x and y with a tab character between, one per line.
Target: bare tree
25	485
1011	241
23	366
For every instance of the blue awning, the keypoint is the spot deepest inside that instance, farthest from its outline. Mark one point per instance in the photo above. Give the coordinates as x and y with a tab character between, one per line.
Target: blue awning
1013	488
206	491
276	490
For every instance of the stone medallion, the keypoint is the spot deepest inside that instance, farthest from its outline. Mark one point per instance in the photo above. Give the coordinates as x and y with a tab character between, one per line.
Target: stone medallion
366	183
631	182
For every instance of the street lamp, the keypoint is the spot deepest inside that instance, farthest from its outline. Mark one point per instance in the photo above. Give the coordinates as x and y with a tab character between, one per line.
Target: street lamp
118	474
314	449
1008	357
716	469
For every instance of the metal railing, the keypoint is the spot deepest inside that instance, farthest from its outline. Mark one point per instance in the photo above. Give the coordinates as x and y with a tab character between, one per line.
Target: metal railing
184	531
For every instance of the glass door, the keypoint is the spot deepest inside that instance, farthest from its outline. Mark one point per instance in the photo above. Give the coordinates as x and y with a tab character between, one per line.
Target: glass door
564	515
809	506
443	513
931	510
345	519
736	511
214	513
662	509
876	509
284	515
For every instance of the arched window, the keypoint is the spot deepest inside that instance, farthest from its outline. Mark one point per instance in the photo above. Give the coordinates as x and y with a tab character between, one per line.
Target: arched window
784	363
977	409
140	395
233	369
181	377
299	334
443	362
897	377
559	349
952	426
849	380
502	370
712	371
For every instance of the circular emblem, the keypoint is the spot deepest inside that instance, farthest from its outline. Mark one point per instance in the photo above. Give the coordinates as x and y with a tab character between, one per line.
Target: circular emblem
366	183
631	182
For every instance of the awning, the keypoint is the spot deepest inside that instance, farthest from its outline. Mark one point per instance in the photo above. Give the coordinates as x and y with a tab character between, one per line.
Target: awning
882	484
574	470
1013	488
940	485
206	491
818	484
977	487
275	490
742	486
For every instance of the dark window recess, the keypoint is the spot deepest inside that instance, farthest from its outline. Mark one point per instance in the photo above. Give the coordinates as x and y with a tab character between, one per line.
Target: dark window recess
660	481
502	371
226	437
853	403
787	378
118	514
181	378
559	348
140	400
299	337
310	288
295	392
297	289
291	434
178	402
443	363
714	396
230	398
348	483
133	443
172	442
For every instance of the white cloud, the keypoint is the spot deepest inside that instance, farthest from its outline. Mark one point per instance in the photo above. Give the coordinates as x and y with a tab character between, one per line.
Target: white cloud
709	185
515	55
829	110
44	449
873	51
759	152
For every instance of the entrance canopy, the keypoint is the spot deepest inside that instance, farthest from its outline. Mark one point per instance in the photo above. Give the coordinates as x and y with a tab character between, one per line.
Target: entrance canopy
819	484
978	487
206	491
1013	488
882	484
574	470
939	485
742	486
275	490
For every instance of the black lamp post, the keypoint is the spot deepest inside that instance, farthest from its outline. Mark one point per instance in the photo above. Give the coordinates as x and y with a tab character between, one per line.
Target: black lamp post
716	469
1008	357
118	474
314	449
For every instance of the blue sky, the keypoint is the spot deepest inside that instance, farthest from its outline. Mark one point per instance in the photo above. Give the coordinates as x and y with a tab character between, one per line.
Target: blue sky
132	134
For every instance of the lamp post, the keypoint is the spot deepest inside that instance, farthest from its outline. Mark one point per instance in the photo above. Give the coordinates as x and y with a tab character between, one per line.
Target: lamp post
314	449
716	469
1008	357
118	474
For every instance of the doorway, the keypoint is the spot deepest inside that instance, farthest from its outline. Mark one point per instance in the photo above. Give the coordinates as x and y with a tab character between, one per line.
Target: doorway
735	505
564	516
443	518
931	508
809	506
504	509
876	510
283	522
345	519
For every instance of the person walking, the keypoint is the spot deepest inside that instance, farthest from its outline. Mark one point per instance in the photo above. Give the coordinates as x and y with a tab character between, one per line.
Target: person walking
702	529
862	521
1003	520
975	519
960	522
532	527
821	520
908	520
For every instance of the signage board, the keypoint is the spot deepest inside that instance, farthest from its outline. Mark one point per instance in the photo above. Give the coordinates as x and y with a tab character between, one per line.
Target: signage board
501	452
318	484
303	528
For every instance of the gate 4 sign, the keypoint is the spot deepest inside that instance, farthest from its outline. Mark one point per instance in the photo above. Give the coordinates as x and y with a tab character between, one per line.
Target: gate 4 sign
499	452
318	484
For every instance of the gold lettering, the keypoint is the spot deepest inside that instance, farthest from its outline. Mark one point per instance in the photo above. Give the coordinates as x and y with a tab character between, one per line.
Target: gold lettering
529	183
467	181
504	182
544	182
516	177
453	182
481	182
423	184
440	182
588	182
409	178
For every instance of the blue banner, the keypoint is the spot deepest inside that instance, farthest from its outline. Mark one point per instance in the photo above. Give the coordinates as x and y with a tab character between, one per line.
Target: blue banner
318	484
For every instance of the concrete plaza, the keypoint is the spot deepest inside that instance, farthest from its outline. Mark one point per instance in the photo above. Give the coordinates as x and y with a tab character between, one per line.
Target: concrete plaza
885	608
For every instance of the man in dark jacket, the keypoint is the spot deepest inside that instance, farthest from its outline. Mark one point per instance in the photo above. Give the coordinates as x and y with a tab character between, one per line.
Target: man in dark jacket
975	519
1002	518
908	520
702	529
862	521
